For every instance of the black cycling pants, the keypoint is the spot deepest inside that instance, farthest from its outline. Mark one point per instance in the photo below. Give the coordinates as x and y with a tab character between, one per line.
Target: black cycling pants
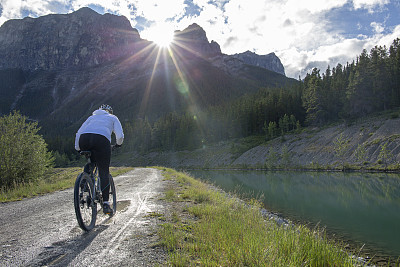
101	155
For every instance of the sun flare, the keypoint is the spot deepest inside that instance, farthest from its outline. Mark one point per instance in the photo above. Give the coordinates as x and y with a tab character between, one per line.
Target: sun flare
162	35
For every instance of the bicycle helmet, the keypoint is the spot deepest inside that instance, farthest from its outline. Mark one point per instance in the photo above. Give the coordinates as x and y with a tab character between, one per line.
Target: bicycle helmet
107	108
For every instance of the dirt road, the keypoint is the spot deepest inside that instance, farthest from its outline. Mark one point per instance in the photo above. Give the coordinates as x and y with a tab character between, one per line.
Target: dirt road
43	231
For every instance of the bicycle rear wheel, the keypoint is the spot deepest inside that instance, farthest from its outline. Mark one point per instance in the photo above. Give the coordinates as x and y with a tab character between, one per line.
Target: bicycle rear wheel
113	195
85	206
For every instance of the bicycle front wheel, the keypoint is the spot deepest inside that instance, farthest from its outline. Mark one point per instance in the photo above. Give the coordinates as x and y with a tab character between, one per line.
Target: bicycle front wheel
85	206
113	195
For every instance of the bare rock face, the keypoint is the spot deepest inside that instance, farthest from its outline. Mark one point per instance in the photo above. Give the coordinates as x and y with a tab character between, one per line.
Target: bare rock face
269	61
194	39
81	39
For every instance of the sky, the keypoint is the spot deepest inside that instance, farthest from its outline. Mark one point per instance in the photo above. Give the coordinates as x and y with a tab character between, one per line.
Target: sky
304	34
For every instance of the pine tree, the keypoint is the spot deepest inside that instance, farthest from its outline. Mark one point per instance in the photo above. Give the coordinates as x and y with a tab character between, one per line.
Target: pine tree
312	97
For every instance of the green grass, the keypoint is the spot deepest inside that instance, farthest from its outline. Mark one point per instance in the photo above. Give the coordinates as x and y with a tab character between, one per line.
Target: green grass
222	231
55	179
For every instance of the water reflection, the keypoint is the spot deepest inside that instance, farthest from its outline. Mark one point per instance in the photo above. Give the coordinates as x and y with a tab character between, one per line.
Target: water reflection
364	208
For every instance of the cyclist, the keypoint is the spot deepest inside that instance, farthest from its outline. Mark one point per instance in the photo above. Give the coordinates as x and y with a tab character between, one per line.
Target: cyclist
95	135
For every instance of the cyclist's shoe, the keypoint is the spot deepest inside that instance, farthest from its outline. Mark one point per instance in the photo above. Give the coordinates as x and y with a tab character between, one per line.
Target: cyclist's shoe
107	209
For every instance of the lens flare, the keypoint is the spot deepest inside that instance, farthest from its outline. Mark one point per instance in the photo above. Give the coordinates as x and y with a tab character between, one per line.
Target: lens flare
161	34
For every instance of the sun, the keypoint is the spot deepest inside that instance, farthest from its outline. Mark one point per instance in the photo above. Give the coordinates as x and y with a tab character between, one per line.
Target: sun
162	35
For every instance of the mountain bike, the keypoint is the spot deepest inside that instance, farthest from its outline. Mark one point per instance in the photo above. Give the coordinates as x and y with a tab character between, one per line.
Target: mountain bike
87	194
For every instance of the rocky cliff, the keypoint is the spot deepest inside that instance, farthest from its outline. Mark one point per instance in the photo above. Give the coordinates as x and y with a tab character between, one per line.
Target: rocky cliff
269	61
194	39
81	39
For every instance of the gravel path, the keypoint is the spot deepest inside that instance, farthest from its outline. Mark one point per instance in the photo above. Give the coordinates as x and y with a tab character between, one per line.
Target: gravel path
43	231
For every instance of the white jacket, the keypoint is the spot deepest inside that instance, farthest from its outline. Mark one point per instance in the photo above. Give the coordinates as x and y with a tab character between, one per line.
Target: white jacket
103	123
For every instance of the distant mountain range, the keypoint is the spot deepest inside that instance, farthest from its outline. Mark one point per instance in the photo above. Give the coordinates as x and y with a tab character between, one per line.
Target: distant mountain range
58	68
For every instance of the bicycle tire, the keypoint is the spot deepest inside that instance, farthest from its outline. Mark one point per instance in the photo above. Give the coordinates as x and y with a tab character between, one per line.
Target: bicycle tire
113	195
85	206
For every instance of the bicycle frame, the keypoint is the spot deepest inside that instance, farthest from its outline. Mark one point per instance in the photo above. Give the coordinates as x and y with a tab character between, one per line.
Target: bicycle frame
94	174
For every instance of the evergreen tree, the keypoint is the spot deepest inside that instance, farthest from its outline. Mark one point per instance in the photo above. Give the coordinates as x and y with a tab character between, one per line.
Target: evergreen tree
312	97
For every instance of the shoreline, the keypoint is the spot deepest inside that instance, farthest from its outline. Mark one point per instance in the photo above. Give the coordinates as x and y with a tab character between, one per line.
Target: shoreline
360	257
368	251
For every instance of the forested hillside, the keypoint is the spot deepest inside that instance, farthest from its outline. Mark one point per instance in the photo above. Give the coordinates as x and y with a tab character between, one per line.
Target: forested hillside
369	84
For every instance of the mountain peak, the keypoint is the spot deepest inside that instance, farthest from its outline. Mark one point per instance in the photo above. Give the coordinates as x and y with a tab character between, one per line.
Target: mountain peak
194	38
269	61
85	11
193	33
194	26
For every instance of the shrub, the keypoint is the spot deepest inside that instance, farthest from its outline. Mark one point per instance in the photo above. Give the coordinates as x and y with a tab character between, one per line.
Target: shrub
23	153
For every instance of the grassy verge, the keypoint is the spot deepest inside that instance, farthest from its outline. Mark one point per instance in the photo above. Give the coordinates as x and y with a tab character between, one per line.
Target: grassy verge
213	229
55	179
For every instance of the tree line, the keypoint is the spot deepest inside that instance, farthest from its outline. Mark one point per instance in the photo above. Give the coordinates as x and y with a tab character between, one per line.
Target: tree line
369	84
269	112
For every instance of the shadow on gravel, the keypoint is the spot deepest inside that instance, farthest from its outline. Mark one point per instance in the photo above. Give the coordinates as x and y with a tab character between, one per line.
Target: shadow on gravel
63	252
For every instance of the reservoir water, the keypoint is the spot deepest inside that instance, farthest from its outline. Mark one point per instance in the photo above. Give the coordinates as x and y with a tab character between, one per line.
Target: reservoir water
358	208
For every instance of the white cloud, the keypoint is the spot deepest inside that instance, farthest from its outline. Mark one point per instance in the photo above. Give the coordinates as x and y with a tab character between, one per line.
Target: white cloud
377	27
11	9
299	32
270	26
314	6
369	4
156	10
211	19
116	7
19	8
382	40
299	62
267	26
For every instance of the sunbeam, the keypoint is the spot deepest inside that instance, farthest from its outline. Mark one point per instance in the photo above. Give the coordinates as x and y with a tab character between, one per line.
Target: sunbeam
183	88
145	98
172	59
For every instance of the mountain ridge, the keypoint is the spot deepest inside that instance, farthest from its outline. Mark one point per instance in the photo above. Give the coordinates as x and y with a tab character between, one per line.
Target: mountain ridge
269	61
86	21
57	41
58	68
